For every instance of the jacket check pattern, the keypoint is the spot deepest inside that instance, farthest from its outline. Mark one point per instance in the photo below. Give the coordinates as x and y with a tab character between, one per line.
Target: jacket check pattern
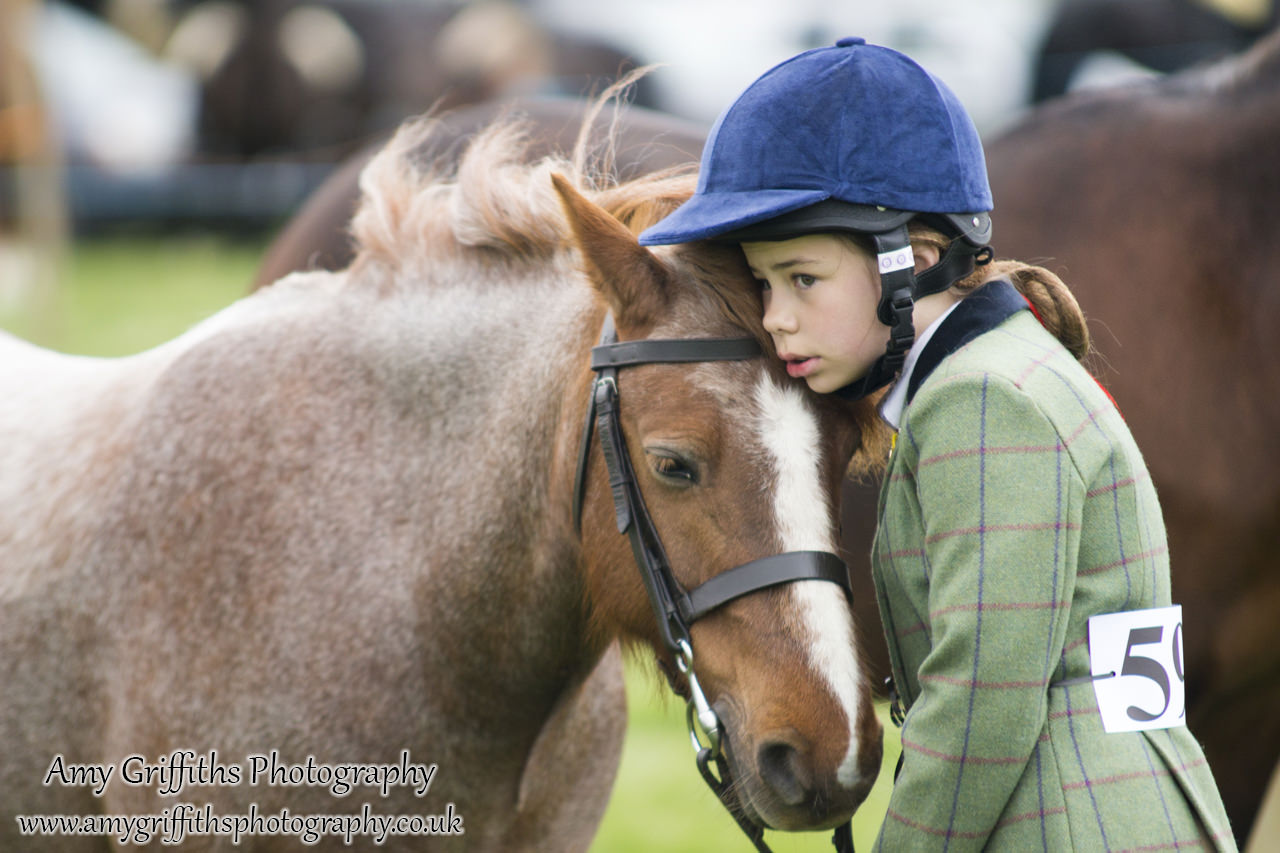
1017	505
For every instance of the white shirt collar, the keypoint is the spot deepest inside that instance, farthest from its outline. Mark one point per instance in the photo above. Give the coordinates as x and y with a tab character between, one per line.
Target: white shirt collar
896	400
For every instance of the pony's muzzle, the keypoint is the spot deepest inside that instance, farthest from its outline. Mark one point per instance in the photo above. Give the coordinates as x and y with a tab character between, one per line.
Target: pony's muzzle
786	782
786	769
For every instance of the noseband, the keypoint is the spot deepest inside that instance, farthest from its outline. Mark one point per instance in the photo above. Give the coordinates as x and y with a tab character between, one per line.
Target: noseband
674	607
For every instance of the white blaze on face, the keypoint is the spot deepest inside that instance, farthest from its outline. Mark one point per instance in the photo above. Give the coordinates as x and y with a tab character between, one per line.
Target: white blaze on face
789	432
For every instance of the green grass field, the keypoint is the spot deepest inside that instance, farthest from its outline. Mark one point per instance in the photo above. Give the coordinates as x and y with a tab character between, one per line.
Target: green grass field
120	296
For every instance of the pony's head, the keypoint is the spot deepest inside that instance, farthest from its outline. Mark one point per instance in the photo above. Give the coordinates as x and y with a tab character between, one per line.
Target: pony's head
735	462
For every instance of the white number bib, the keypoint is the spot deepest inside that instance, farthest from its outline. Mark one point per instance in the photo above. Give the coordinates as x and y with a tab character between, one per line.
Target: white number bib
1135	658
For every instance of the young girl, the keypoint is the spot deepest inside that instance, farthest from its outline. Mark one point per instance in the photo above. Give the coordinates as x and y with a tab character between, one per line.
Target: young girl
1015	508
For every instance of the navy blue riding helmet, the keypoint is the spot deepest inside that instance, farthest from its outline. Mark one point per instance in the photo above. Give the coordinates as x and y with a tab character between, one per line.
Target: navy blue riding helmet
855	137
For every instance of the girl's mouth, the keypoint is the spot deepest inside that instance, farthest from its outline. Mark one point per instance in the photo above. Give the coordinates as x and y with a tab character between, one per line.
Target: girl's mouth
801	367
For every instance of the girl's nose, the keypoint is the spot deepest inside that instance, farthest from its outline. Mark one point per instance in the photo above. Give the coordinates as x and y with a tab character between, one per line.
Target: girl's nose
779	318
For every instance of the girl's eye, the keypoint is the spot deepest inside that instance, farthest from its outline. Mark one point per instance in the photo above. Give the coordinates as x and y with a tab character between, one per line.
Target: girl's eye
672	469
762	284
804	280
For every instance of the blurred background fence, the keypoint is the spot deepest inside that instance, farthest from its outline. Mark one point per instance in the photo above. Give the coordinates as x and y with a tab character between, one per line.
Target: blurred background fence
224	113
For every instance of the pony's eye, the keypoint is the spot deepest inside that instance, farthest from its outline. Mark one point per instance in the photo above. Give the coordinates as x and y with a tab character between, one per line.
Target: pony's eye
672	469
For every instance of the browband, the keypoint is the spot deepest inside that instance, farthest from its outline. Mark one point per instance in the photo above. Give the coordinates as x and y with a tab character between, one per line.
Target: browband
673	351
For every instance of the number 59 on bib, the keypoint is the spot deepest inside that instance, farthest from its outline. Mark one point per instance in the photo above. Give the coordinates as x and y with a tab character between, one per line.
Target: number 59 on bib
1135	658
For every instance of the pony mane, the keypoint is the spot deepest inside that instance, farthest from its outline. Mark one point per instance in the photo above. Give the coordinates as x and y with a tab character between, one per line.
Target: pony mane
417	203
418	209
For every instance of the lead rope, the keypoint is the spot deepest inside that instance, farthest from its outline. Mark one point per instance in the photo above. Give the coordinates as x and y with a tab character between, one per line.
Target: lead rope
841	839
719	782
721	786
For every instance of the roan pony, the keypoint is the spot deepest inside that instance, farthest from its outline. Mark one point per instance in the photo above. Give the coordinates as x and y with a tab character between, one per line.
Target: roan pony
334	522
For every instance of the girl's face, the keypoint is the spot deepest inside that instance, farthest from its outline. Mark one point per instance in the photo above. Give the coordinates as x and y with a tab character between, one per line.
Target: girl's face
820	296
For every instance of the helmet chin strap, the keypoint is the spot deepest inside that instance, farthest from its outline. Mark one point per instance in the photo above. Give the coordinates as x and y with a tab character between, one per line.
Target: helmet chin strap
900	287
897	264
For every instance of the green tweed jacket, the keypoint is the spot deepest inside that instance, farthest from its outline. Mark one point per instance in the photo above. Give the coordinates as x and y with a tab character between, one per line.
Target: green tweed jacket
1016	505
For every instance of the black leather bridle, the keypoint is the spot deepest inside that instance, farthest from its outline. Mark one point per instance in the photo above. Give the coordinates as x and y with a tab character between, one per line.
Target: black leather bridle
674	607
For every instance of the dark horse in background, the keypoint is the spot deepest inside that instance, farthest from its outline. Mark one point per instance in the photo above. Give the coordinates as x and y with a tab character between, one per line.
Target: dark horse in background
1159	205
312	76
317	236
1163	36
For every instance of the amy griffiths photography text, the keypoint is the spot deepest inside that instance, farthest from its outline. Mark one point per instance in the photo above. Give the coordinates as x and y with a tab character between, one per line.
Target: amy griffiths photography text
172	774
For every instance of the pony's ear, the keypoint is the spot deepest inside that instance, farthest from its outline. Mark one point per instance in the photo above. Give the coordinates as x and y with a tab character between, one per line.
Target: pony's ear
630	277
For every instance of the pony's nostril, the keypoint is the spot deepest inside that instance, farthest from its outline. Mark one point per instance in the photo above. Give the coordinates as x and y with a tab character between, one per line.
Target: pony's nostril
785	769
